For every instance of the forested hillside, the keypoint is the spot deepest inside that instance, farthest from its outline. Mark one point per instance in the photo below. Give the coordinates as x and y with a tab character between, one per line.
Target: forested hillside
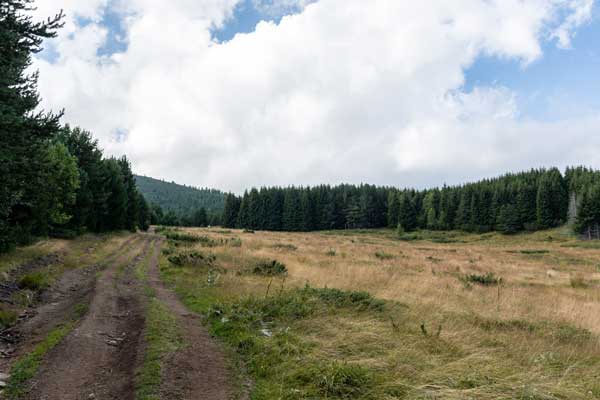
54	179
533	200
182	201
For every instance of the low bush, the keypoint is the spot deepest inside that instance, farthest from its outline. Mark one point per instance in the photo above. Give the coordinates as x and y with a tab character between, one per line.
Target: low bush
284	246
579	282
35	281
410	237
7	318
384	256
489	279
269	268
182	237
192	259
533	252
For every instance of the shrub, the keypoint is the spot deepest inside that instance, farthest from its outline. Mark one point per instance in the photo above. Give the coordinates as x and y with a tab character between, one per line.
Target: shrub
531	252
489	279
35	281
193	259
410	237
7	318
269	268
182	237
167	251
384	256
579	282
284	246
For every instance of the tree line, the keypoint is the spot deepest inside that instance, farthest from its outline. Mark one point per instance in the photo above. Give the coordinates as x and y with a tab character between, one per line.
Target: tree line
199	217
54	179
532	200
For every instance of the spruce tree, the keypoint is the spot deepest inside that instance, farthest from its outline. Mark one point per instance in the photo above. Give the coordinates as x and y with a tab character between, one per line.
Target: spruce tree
24	134
407	216
508	219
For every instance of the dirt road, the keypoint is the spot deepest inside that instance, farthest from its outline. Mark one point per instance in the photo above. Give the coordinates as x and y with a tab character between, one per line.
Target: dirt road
101	357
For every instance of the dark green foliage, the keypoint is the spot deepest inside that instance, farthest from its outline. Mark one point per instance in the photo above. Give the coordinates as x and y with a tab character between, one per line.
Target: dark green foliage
54	181
588	214
489	279
192	259
34	281
552	199
269	268
183	201
7	318
407	215
24	133
508	221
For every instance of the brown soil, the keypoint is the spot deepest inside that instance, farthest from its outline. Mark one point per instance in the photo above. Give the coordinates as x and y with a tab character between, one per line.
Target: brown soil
57	304
199	370
97	359
100	357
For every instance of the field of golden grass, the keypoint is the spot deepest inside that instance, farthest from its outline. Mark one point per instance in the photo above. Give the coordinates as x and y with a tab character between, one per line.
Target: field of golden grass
533	336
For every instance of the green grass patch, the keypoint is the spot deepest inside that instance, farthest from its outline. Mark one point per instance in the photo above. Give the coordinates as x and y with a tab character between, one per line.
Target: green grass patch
529	252
27	367
162	338
590	245
7	318
35	281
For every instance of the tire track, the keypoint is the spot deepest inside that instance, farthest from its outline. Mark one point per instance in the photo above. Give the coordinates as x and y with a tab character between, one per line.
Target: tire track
97	360
199	371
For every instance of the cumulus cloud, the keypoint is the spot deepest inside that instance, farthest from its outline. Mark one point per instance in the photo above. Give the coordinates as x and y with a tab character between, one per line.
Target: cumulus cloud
344	90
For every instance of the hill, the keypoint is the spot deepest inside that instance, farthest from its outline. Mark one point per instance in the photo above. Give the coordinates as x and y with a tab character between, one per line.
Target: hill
181	199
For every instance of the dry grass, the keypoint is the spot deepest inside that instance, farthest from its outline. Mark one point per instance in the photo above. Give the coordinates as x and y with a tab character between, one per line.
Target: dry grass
535	287
520	339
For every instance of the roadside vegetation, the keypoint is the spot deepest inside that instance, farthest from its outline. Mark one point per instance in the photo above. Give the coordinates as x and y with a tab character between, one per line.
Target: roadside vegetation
363	315
161	337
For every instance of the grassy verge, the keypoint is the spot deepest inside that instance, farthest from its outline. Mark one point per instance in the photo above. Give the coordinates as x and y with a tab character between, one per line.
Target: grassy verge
162	337
26	368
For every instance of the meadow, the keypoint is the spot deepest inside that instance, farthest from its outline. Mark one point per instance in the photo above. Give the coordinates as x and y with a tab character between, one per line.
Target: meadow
366	315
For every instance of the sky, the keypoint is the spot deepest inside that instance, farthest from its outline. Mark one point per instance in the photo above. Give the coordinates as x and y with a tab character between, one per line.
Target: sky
233	94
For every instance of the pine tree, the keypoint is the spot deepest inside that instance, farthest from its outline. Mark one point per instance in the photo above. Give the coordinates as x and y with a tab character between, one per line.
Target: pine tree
508	219
24	134
143	213
117	202
407	217
231	211
393	209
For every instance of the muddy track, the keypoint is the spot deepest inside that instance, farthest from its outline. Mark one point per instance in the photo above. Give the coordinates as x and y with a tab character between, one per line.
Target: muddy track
199	370
97	359
74	287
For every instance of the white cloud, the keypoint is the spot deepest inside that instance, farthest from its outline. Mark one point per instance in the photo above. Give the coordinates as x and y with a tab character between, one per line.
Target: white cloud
346	90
